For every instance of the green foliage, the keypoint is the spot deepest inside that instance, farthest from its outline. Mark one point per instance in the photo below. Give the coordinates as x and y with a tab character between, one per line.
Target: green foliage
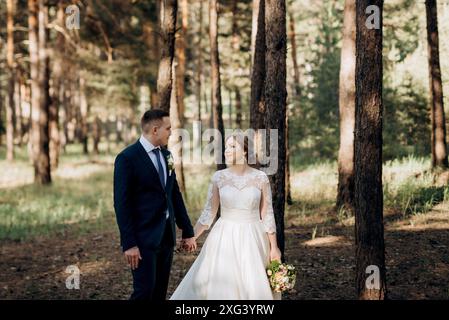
406	121
314	124
401	31
314	127
113	85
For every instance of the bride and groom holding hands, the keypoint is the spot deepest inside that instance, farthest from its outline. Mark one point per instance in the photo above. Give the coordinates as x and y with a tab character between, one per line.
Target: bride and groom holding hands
148	204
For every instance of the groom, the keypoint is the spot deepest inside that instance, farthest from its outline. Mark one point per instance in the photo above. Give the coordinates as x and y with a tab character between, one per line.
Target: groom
147	204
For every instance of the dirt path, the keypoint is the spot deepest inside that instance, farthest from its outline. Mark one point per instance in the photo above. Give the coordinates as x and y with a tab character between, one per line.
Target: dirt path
416	250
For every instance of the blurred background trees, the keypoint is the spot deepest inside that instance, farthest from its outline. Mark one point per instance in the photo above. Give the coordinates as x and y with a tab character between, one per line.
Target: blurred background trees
80	74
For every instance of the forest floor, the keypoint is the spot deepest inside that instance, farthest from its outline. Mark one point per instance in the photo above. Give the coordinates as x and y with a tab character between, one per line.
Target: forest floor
319	241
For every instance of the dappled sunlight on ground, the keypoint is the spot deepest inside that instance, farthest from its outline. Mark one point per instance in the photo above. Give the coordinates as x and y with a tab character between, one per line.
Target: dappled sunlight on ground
327	241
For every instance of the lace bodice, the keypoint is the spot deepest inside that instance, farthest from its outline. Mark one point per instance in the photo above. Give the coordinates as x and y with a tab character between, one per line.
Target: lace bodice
241	197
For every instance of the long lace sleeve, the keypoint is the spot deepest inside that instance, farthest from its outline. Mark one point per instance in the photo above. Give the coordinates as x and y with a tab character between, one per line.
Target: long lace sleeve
266	208
213	201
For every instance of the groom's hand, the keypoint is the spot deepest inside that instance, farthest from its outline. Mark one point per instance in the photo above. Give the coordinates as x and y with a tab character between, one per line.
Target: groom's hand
189	244
133	256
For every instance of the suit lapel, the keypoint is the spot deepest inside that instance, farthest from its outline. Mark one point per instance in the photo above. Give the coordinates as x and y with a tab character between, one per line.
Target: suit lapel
146	159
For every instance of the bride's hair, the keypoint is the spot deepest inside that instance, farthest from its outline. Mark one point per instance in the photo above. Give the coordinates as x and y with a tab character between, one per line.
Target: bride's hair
244	142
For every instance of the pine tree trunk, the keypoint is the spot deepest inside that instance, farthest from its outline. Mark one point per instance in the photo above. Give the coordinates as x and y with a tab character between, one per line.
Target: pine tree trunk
238	108
62	115
168	13
230	109
211	111
63	112
20	92
199	63
181	56
107	135
198	92
44	73
1	117
438	134
345	193
119	130
73	108
287	162
175	119
26	121
216	83
275	93
368	200
39	90
17	111
258	49
96	135
55	141
236	49
84	110
10	101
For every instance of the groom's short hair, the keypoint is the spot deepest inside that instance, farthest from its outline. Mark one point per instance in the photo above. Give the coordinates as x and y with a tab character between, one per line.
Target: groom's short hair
151	116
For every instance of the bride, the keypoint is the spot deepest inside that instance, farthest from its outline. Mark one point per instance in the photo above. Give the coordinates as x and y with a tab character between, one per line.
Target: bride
232	262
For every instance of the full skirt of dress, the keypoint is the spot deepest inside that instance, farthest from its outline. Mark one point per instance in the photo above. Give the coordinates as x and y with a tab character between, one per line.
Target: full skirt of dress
231	264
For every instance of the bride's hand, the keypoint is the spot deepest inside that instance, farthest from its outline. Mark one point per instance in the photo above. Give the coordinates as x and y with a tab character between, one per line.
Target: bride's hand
190	244
275	254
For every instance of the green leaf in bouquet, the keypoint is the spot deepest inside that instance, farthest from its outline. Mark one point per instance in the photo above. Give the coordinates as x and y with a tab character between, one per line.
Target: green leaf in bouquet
274	265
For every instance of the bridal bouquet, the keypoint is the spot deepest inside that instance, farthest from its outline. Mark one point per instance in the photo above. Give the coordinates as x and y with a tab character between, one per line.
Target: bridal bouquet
282	276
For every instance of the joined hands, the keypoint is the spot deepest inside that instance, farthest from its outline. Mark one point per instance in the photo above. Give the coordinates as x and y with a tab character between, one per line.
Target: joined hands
188	244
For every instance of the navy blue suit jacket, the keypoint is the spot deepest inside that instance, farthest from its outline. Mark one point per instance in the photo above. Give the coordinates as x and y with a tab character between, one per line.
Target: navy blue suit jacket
140	201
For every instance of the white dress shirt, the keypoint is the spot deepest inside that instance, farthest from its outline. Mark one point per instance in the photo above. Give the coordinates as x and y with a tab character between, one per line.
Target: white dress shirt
148	146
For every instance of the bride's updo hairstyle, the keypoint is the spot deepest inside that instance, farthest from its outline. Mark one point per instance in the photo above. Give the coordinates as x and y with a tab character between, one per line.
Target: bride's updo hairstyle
243	140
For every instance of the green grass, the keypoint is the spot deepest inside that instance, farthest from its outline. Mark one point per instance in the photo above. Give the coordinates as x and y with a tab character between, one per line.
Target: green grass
32	210
80	198
314	185
80	195
409	186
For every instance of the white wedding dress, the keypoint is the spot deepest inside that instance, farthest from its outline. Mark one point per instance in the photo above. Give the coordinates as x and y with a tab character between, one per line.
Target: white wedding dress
232	262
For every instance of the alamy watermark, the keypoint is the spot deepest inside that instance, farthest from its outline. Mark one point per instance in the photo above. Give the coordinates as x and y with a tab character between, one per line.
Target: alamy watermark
373	280
373	21
73	281
206	147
